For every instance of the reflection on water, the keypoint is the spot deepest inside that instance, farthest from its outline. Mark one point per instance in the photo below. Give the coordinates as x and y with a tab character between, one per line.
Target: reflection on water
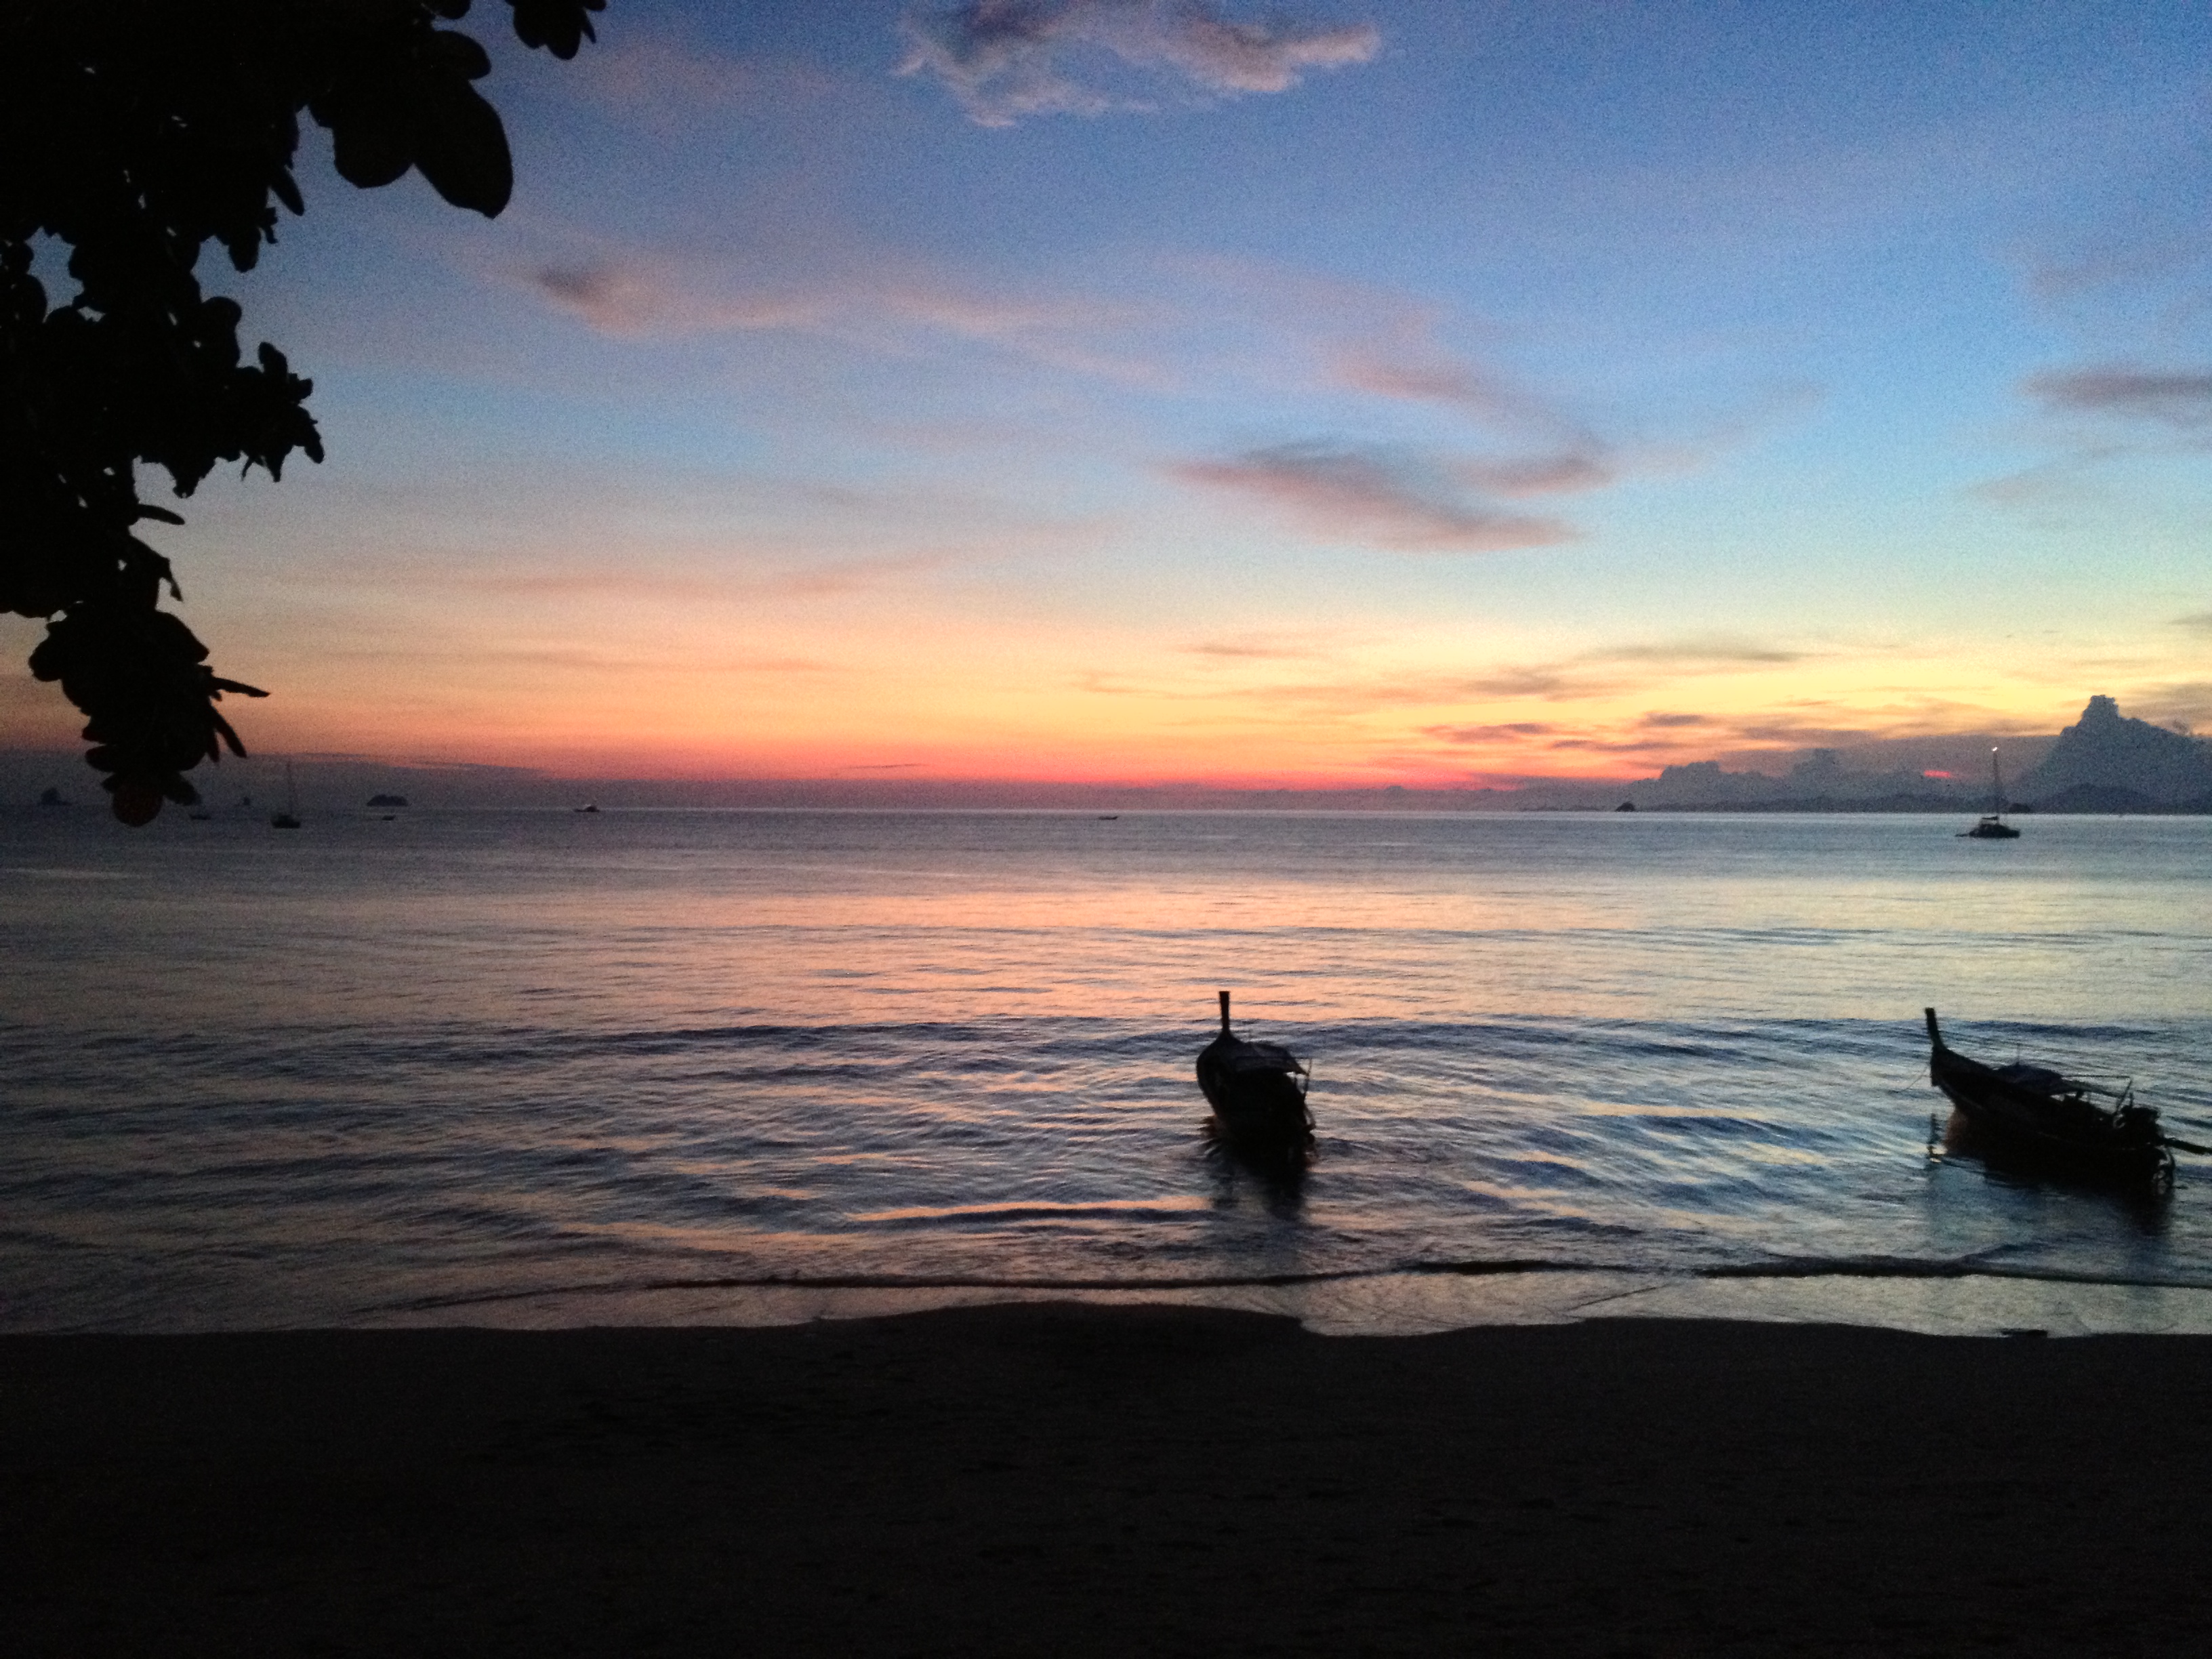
1277	1182
2148	1204
397	1065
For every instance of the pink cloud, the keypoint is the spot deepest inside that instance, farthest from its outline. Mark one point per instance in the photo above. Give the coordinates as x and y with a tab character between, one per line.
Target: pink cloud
1510	732
1430	376
664	83
1250	650
1388	497
2173	397
633	298
633	295
1562	473
1006	59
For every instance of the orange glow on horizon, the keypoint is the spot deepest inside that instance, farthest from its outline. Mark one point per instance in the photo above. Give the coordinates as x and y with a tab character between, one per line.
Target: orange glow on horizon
707	696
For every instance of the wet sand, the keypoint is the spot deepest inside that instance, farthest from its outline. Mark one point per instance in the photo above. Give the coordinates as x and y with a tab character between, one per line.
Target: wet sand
1085	1481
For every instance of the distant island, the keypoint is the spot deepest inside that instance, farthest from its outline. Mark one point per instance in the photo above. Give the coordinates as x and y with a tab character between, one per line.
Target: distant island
2104	763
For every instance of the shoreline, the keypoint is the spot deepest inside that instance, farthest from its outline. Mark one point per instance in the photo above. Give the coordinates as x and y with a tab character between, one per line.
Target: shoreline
1922	1298
1929	1299
1082	1479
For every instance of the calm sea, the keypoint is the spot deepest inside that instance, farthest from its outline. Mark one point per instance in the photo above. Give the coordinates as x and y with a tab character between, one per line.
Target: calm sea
680	1066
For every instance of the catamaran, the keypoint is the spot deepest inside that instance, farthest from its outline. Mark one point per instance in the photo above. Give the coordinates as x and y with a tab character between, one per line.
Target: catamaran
1991	825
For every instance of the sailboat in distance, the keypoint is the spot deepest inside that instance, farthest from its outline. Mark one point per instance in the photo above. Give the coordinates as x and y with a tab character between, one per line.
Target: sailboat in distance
290	818
1991	825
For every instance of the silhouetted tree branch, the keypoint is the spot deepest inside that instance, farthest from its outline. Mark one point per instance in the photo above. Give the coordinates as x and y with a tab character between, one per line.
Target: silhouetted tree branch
133	132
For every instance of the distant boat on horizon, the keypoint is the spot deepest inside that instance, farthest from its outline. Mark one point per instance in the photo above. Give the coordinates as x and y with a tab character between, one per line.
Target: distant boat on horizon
589	806
1991	825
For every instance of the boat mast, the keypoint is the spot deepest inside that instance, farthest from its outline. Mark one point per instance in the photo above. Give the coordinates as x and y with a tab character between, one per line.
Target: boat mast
1225	1013
1996	784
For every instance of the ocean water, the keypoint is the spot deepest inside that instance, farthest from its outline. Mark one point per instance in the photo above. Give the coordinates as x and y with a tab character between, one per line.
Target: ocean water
550	1067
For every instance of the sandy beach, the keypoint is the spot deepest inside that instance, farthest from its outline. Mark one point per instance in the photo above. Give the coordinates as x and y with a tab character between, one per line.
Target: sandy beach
1067	1480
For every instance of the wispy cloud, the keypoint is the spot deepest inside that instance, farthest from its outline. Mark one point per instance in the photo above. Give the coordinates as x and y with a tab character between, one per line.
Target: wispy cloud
2171	398
1395	351
1404	361
665	82
1619	746
1794	731
1753	739
1430	375
1362	696
1390	497
1392	347
2185	705
1509	731
2199	621
1651	736
2102	414
2125	262
1287	335
1563	473
476	653
1537	682
631	295
626	583
1006	59
636	298
1618	670
851	575
766	569
1604	673
1701	653
1250	650
2061	481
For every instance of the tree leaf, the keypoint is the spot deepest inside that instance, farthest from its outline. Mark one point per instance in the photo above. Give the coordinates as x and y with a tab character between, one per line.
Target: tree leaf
461	148
371	151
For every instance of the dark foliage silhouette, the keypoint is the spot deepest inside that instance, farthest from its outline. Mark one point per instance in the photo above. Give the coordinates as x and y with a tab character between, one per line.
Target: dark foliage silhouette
132	132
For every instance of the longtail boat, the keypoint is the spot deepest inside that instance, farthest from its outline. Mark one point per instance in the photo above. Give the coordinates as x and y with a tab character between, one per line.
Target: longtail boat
1257	1090
2033	1114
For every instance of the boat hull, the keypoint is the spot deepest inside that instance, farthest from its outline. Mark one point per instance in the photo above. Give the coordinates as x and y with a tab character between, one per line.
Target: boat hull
1258	1098
2051	1128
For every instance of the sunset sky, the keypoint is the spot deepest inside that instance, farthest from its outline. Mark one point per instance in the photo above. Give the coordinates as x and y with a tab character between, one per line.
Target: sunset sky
1361	391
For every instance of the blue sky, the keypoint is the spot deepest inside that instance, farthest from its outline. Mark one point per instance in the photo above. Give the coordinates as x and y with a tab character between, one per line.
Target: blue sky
1359	393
